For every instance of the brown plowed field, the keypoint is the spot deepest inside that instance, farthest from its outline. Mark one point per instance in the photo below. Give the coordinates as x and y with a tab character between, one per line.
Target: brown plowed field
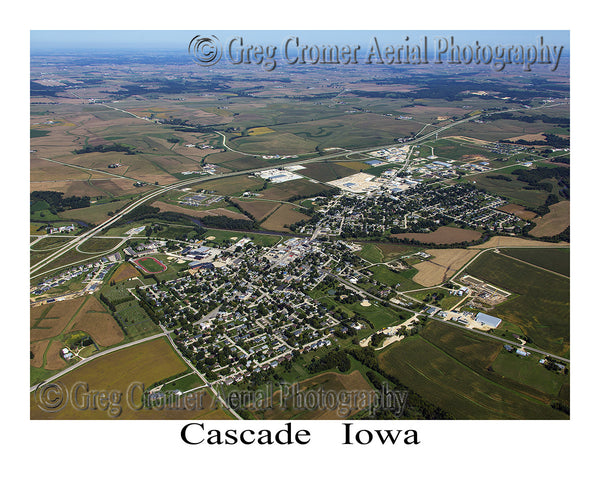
97	322
442	235
446	262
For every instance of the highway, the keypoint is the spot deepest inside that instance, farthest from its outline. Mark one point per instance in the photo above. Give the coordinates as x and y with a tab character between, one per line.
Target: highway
161	190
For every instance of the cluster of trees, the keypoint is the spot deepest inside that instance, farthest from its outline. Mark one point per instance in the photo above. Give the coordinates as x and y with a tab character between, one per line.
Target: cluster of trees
221	221
331	360
535	178
57	202
115	147
562	121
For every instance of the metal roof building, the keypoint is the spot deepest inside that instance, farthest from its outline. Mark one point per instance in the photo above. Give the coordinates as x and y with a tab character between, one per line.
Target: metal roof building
488	319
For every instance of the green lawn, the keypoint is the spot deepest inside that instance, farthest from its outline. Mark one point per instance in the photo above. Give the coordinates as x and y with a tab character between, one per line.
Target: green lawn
401	280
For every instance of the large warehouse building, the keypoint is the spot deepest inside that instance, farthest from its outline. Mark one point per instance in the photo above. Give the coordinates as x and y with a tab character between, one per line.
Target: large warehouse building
488	320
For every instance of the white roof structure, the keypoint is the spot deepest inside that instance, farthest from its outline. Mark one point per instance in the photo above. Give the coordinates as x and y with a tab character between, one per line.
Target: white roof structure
488	319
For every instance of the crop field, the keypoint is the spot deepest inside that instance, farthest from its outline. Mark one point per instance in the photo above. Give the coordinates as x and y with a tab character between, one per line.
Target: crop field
286	191
259	130
232	185
145	364
453	149
519	211
555	259
327	171
277	143
498	129
541	307
491	360
125	271
259	209
283	408
94	319
245	163
284	215
553	222
514	190
53	360
499	241
444	264
352	131
96	214
47	321
425	369
443	235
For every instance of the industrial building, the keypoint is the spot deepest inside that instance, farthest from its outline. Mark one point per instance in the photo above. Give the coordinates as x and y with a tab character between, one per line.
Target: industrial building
488	320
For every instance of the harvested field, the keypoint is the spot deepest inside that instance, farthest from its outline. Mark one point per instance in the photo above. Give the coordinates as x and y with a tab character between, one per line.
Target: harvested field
146	363
166	207
284	215
125	271
554	222
442	266
38	349
514	242
257	208
530	137
354	165
55	319
97	322
442	235
326	172
518	210
53	359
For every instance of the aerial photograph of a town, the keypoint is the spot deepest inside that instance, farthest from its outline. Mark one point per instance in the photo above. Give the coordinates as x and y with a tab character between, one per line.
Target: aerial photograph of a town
300	225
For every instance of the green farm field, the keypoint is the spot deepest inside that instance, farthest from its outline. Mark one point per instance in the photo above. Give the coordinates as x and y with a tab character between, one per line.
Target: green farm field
555	259
425	368
541	305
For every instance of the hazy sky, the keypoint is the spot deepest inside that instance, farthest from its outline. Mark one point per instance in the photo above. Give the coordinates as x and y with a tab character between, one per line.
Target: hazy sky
44	40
